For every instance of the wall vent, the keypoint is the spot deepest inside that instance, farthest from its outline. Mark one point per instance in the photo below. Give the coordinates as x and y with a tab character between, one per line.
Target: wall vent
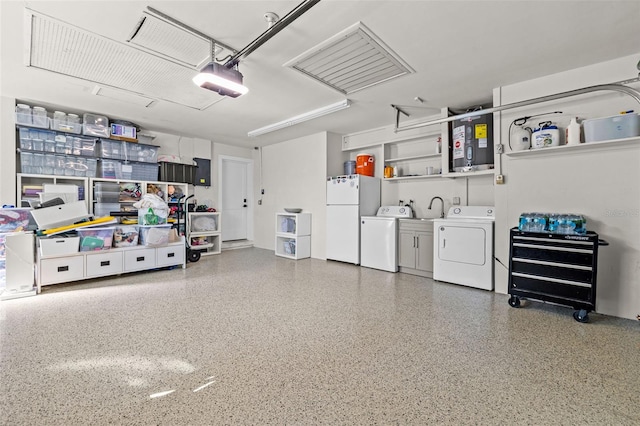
58	47
351	60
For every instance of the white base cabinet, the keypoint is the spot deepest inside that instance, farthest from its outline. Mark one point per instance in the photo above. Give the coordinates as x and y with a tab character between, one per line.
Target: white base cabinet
293	235
415	247
56	269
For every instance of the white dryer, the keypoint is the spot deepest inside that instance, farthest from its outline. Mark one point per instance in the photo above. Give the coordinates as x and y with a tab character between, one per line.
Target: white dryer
463	246
379	237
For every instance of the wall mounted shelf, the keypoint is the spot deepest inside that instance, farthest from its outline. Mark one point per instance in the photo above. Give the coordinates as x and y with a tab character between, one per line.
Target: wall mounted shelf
583	147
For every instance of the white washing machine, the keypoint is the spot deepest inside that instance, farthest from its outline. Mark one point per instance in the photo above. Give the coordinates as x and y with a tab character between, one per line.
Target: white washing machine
463	246
379	238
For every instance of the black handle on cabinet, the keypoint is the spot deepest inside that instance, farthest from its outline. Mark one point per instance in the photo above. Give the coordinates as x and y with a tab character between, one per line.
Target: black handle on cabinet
171	254
140	259
105	263
63	268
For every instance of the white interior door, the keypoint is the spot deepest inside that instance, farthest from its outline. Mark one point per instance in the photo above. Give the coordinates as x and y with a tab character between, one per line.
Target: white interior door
234	198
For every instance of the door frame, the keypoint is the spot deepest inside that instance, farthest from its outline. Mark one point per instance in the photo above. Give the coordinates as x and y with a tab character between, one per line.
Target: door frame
250	197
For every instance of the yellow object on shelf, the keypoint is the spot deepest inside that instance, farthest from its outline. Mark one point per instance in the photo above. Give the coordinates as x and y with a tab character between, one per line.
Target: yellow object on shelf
98	221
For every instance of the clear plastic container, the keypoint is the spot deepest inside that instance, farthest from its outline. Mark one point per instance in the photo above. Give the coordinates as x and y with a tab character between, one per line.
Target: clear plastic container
92	167
73	123
49	146
96	125
125	236
23	114
37	144
92	239
59	121
39	116
105	209
154	236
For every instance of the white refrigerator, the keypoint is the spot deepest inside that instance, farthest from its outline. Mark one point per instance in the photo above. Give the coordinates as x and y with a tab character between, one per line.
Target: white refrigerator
348	198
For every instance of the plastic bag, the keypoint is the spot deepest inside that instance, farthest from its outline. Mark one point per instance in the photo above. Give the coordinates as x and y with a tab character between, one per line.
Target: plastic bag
152	210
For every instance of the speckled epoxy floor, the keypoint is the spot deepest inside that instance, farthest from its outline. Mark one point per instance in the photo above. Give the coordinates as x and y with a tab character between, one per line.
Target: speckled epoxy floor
249	338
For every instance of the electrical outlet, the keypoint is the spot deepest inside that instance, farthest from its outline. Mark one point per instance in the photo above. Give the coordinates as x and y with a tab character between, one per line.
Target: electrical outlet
456	201
499	179
500	148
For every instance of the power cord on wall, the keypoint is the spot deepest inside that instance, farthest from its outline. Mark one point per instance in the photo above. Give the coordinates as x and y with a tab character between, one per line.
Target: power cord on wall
500	262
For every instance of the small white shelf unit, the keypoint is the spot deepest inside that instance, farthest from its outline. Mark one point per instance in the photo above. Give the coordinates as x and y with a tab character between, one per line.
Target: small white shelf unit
293	235
204	232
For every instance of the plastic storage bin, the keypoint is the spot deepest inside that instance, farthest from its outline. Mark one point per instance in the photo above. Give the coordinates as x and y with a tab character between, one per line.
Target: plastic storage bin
112	149
14	219
154	236
23	114
39	117
141	152
614	127
125	236
107	186
106	196
92	239
105	209
95	125
141	171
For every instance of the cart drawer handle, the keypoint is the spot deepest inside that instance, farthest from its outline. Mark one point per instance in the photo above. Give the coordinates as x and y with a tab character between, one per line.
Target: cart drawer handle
171	254
140	259
105	263
63	268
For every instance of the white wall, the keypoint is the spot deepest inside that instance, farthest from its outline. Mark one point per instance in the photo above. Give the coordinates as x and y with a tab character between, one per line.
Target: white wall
602	185
7	151
187	149
294	175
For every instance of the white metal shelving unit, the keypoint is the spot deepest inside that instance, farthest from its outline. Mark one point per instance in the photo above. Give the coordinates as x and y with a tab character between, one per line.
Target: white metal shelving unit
293	235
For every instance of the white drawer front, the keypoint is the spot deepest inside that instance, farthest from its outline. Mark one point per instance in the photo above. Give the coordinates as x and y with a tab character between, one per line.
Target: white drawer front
135	260
62	269
107	263
170	255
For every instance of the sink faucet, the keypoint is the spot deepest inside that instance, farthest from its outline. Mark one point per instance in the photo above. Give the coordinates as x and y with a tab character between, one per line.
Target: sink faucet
441	203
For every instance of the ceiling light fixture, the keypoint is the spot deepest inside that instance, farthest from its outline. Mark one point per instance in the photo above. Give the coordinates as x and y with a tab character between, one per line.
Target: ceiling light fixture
338	106
225	78
218	78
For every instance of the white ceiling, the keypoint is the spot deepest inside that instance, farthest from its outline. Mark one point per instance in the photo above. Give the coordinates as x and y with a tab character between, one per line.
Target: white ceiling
459	50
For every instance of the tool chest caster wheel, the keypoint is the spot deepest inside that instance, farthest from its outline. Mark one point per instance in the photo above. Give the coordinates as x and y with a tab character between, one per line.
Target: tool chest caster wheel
514	301
581	315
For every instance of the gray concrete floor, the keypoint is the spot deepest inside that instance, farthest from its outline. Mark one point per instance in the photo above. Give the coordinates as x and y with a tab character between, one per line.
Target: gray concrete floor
246	337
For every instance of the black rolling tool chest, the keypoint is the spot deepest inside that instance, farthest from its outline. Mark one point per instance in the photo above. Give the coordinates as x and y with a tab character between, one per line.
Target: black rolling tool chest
554	268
